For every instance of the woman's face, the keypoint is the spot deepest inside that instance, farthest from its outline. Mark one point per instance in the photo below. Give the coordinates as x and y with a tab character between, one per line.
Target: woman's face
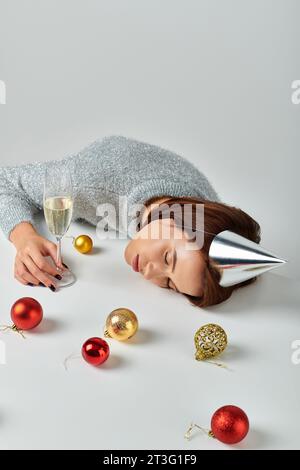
159	252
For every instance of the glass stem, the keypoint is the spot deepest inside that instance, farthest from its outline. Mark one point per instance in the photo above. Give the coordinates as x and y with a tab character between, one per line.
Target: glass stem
58	251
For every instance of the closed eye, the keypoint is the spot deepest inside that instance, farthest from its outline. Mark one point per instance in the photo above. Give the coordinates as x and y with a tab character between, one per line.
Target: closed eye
167	285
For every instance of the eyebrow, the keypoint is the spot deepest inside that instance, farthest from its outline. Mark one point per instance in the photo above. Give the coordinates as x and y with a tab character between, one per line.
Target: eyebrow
174	260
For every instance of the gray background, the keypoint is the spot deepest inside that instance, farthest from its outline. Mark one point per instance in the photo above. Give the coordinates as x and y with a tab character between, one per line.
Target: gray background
210	80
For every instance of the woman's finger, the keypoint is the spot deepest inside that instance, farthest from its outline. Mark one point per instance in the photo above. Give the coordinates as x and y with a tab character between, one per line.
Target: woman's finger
21	272
20	279
41	262
37	273
29	278
22	275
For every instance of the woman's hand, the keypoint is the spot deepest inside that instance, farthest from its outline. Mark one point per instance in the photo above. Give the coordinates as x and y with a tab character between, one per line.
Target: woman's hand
31	266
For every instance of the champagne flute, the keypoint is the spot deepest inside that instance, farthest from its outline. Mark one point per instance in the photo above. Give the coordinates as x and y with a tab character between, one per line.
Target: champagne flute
58	210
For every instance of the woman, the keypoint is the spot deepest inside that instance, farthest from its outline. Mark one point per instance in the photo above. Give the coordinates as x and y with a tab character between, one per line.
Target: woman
115	167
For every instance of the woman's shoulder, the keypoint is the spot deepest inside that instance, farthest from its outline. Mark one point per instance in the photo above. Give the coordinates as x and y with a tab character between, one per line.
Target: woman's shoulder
138	151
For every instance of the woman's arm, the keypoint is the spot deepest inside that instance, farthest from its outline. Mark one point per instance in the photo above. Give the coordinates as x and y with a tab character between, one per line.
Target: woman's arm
21	196
21	187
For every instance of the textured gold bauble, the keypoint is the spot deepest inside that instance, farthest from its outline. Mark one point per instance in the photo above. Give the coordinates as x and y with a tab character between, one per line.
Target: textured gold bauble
83	244
121	324
210	341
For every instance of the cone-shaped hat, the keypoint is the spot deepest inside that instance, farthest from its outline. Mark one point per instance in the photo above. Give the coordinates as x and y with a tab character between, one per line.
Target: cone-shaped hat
240	259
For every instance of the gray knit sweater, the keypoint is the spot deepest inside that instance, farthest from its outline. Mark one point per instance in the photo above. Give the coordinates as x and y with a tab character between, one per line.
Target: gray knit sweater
104	170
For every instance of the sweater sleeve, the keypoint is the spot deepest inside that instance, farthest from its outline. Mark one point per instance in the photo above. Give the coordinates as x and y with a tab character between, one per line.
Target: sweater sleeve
21	193
16	204
21	187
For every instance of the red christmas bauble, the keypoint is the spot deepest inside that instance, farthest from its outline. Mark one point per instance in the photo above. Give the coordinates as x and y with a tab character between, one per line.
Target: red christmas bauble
26	313
229	424
95	351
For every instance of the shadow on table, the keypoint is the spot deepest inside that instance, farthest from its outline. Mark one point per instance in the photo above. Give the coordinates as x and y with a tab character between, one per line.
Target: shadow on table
257	439
143	336
269	292
96	250
48	325
114	362
235	352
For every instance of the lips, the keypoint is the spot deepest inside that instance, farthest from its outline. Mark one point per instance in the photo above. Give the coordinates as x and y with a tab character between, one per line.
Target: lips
135	263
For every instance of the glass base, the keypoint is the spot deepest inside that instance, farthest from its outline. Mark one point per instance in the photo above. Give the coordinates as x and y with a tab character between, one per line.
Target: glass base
68	279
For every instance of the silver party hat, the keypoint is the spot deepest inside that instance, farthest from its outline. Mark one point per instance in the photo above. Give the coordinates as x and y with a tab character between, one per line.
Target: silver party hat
240	259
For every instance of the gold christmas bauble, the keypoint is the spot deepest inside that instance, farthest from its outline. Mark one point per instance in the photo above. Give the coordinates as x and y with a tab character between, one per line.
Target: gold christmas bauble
121	324
83	244
210	341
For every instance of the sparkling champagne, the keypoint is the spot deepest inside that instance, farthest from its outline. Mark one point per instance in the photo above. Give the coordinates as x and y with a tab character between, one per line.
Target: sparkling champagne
58	214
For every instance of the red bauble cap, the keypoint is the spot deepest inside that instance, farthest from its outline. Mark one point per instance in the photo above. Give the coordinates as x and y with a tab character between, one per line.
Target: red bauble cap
229	424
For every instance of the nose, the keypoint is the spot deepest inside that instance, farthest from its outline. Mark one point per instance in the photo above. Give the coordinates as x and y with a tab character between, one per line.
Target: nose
151	271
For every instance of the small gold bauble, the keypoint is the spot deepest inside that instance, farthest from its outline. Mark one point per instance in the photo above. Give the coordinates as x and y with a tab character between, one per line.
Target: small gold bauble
121	324
83	244
210	341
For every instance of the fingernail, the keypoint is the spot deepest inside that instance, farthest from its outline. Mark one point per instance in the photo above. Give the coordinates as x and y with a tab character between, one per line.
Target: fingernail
57	276
52	288
65	265
41	284
30	284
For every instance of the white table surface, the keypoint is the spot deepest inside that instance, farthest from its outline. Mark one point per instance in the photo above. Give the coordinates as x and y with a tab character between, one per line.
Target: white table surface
210	80
151	387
